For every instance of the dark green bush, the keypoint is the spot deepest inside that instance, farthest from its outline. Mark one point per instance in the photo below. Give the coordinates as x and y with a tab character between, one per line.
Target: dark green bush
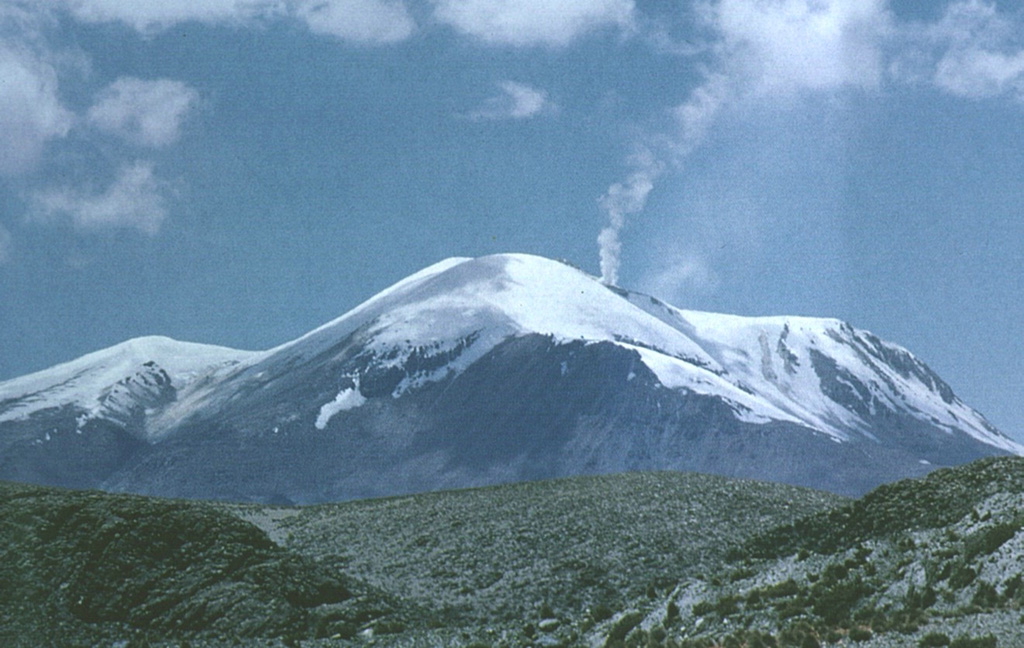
702	642
799	635
626	623
860	634
987	641
987	541
835	603
740	574
792	607
657	634
785	588
1012	586
962	576
601	612
727	605
985	596
928	597
810	642
834	572
933	639
760	640
671	612
703	607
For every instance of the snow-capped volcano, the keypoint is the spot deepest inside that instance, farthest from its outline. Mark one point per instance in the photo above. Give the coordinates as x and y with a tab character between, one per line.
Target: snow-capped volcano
499	368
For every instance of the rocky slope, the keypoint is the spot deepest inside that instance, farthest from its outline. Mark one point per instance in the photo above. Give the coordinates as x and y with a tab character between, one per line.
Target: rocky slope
931	562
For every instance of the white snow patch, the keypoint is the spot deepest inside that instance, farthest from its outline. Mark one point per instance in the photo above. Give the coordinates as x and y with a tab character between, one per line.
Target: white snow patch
345	400
382	302
83	381
678	374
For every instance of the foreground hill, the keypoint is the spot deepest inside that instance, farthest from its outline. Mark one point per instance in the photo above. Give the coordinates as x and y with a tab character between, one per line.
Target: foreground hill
644	560
491	370
89	568
931	562
84	568
497	554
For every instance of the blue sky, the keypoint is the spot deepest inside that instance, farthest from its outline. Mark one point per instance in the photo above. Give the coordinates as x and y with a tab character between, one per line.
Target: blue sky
238	172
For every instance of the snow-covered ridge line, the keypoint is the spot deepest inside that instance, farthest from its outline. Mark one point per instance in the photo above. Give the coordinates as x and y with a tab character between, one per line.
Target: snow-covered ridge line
369	308
88	380
786	360
818	373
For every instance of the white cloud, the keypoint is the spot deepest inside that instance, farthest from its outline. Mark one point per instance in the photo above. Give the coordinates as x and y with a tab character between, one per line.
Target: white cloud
696	115
981	51
789	45
367	21
147	113
682	274
533	22
515	101
33	118
150	16
977	74
786	46
31	113
133	201
971	23
5	245
760	49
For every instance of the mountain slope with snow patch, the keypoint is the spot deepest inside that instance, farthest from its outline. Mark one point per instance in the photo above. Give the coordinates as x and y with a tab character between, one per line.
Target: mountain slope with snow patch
502	368
114	379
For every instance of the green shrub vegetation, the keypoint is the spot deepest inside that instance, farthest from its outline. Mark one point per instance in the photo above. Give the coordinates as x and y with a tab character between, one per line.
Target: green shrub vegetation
626	561
989	539
860	634
987	641
938	500
92	565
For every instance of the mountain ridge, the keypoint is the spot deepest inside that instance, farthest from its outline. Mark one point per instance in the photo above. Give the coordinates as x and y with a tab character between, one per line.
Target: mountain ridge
505	367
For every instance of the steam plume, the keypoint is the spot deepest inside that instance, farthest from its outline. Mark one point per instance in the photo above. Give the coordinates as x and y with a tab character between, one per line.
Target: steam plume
621	200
